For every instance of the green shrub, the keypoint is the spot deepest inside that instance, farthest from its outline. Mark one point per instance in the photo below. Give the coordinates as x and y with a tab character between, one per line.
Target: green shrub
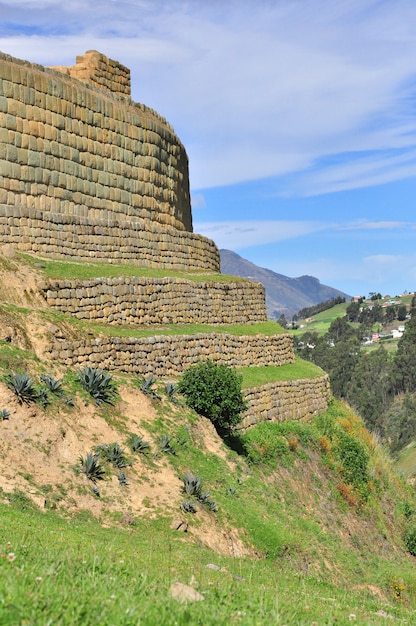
354	459
410	541
264	443
214	391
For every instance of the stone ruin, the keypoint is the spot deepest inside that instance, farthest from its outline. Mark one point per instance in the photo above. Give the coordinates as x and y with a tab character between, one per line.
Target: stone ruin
88	174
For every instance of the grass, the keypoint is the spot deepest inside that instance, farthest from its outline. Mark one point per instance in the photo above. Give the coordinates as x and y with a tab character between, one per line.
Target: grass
64	270
256	376
312	560
406	461
321	322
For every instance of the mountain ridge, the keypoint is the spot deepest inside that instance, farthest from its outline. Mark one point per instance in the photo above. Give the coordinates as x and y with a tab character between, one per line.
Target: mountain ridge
284	296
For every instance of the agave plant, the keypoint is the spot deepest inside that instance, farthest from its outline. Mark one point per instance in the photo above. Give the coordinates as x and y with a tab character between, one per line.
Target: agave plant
52	384
90	466
113	454
4	414
99	384
122	479
137	444
23	386
95	491
188	506
147	387
170	389
43	397
166	445
192	485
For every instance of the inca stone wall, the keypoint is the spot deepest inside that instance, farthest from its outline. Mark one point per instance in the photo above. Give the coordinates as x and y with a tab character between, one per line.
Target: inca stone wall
71	149
138	243
286	400
143	300
98	70
170	355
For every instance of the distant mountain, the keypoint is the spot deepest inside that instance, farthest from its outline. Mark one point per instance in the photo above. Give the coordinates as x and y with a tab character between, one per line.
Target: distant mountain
283	295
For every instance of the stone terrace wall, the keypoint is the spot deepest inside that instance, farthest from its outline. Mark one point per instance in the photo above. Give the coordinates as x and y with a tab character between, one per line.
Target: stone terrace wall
165	356
286	400
67	147
97	69
138	242
143	300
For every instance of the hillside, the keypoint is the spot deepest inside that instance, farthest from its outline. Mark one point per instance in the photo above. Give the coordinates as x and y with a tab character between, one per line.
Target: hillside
284	295
289	518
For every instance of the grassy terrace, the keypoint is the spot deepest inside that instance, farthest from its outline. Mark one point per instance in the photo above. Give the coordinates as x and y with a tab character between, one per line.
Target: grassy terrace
261	328
65	270
257	376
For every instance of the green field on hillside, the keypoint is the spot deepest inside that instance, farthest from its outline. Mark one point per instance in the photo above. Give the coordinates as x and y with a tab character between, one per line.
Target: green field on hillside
315	554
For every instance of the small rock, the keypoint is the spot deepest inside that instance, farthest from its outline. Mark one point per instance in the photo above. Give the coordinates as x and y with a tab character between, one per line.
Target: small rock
179	524
8	251
183	593
40	265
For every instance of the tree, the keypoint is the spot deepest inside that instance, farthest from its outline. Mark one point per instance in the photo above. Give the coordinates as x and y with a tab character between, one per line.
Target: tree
214	390
404	370
370	389
401	313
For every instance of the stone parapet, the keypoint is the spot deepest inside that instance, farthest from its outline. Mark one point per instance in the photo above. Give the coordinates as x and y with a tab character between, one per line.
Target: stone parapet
286	400
71	148
170	300
137	243
97	69
170	355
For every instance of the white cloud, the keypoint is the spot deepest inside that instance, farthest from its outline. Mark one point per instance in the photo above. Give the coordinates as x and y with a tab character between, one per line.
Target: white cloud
367	225
247	234
255	89
198	201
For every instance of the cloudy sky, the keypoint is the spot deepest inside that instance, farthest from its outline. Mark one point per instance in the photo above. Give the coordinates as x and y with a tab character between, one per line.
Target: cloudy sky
298	117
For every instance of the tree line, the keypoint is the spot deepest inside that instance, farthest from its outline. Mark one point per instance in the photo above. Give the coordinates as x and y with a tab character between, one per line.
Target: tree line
379	385
317	308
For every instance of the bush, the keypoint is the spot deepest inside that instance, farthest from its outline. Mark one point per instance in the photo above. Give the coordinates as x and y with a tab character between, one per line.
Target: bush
214	391
410	541
354	459
264	443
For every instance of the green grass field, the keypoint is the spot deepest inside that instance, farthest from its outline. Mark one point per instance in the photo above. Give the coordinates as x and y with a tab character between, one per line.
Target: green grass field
312	559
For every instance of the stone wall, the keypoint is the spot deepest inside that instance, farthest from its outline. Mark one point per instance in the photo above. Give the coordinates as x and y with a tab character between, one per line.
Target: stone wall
143	300
286	400
97	69
137	243
165	356
70	148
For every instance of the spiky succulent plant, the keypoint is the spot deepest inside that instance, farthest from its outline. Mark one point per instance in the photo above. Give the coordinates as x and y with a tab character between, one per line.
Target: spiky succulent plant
52	384
137	444
23	386
99	384
146	386
90	466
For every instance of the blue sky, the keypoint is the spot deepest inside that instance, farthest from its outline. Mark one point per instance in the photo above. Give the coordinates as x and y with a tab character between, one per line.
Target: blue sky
298	117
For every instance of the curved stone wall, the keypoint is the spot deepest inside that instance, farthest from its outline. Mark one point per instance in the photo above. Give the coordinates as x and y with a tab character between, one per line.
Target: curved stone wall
286	400
71	148
138	243
164	355
143	300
